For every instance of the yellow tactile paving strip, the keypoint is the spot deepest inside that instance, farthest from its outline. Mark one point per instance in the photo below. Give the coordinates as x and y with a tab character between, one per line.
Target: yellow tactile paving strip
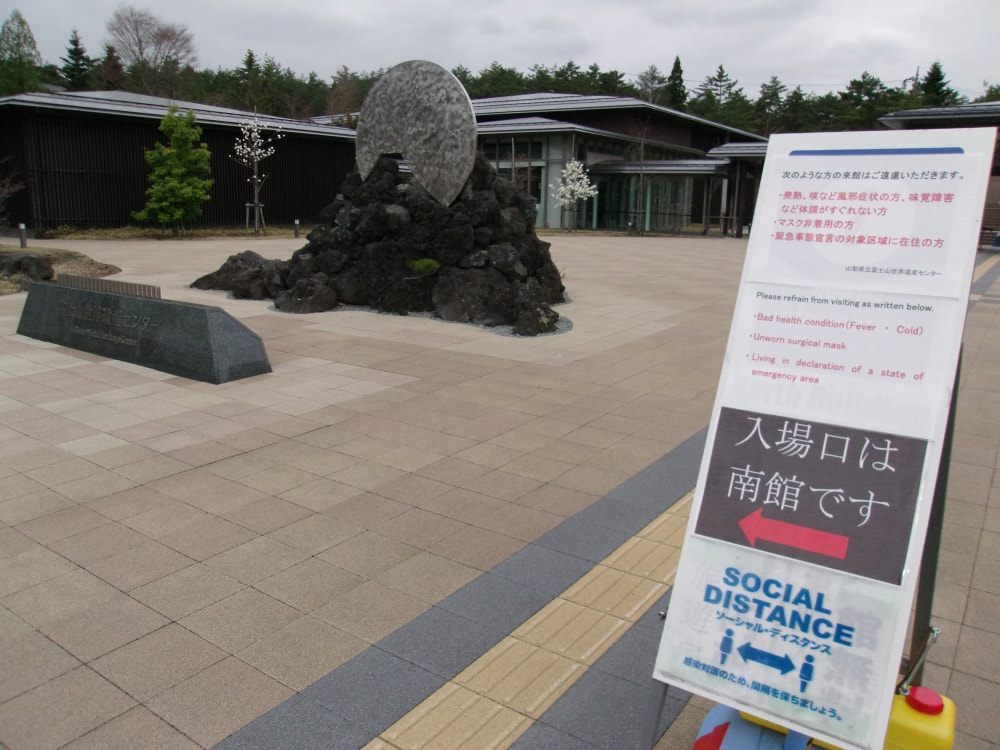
498	697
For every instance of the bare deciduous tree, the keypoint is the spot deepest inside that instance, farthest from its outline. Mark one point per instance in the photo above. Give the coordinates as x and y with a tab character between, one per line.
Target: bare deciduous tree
148	46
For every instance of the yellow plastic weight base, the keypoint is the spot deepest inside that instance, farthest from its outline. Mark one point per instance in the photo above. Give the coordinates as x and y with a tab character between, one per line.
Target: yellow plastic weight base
913	723
913	729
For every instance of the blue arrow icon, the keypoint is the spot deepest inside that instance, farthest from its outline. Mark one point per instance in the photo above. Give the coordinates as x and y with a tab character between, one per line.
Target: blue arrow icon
782	663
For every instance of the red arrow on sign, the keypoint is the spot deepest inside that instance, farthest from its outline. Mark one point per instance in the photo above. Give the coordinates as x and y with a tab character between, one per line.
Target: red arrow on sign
755	527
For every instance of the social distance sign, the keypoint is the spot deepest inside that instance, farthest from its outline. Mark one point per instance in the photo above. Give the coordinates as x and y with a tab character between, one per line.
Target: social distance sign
799	565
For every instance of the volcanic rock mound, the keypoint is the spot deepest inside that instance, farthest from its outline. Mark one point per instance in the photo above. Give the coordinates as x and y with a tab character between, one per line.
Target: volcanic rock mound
387	244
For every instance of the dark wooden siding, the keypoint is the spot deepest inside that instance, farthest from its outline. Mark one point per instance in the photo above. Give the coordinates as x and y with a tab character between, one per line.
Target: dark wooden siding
90	171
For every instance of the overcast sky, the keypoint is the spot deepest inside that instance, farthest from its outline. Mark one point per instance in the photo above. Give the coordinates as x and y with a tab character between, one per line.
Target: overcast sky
818	44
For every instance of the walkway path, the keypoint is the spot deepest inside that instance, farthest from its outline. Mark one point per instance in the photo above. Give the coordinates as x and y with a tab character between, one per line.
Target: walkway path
411	533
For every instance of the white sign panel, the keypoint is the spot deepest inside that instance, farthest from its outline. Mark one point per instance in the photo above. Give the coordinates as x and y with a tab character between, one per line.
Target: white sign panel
799	566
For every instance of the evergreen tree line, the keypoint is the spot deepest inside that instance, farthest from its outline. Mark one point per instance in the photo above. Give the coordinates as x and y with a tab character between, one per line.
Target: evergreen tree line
149	56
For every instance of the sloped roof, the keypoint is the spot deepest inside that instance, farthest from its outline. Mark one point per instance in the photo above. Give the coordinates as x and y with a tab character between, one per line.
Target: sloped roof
125	104
527	104
540	125
960	115
662	166
755	150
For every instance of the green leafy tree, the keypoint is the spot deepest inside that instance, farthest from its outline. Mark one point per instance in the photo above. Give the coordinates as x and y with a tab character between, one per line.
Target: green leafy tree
738	111
179	180
935	91
796	113
497	80
865	100
20	61
77	68
609	82
827	112
674	93
463	74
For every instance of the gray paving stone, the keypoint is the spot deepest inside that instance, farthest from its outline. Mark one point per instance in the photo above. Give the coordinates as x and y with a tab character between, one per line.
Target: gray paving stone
543	569
667	479
298	723
373	690
607	710
442	642
582	539
496	602
544	737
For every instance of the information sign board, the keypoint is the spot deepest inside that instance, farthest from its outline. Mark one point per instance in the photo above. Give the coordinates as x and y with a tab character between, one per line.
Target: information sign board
799	566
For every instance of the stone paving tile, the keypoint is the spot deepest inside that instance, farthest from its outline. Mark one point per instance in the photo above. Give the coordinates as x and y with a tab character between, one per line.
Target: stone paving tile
104	627
427	577
188	590
310	584
478	548
135	728
156	662
88	547
214	703
86	701
28	660
370	611
367	424
302	651
140	565
59	598
61	524
368	553
239	620
28	568
203	535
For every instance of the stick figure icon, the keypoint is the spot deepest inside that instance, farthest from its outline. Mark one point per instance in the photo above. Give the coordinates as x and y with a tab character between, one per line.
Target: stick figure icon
726	646
806	673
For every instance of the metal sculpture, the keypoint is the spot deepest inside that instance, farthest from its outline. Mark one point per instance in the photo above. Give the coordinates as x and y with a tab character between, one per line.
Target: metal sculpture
421	111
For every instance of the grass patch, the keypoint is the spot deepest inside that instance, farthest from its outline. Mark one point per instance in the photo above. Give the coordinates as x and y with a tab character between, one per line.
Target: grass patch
63	261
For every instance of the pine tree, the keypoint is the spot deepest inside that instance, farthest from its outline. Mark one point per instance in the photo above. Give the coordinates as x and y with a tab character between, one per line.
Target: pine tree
77	67
108	72
935	91
769	105
712	99
674	93
991	93
179	181
720	84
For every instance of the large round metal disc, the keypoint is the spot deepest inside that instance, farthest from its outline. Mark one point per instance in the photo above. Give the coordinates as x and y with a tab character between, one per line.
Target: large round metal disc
420	110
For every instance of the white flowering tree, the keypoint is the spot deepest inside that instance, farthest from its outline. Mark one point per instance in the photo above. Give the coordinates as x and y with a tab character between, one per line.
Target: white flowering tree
250	149
574	186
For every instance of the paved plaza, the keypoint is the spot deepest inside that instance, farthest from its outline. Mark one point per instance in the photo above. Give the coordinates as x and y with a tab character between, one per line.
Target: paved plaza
412	533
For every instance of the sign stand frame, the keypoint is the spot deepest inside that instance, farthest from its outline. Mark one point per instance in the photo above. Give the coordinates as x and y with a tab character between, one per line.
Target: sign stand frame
927	578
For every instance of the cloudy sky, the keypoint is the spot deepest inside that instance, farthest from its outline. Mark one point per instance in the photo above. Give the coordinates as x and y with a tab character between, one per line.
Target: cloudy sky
818	44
